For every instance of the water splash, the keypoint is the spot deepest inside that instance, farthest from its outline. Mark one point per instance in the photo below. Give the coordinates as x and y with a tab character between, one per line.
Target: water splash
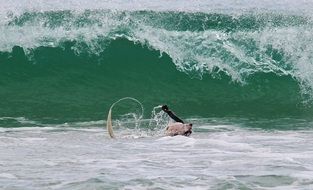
159	119
137	118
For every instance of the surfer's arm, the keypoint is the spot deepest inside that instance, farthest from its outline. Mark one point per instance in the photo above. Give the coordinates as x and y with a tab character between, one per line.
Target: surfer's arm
174	117
171	114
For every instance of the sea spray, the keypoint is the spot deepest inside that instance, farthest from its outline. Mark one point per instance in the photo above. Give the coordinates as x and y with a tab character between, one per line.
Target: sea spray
158	117
158	120
109	117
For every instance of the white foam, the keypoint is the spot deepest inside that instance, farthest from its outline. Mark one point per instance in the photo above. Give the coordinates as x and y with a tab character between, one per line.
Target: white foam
161	5
250	157
33	139
7	175
178	140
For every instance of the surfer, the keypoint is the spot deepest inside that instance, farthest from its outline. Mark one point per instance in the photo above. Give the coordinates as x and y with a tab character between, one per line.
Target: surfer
177	128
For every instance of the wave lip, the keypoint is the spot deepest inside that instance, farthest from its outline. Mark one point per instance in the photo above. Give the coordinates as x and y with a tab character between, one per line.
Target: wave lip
221	41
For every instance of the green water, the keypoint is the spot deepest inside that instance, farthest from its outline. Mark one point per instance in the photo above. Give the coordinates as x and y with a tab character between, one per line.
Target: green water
202	65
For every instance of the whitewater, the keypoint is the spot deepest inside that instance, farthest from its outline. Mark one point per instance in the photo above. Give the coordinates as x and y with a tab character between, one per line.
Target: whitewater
240	71
216	156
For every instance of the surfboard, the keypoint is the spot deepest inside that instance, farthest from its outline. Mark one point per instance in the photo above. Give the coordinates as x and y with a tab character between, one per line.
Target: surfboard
109	118
109	124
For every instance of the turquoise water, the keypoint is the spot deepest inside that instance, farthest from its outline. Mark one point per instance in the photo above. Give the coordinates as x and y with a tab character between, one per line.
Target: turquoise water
240	71
71	64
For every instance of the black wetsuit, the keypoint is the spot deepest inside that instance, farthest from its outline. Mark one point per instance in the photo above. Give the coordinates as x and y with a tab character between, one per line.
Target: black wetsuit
174	117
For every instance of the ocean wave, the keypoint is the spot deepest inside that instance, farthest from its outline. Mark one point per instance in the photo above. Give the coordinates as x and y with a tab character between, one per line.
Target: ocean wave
221	63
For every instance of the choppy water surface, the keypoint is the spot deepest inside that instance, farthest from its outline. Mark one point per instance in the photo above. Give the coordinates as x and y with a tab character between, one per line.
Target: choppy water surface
216	156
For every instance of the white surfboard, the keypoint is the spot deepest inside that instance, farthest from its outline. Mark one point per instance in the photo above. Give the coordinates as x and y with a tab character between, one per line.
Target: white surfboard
109	124
109	118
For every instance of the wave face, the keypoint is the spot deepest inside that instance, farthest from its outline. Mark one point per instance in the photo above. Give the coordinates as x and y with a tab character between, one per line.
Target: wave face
71	60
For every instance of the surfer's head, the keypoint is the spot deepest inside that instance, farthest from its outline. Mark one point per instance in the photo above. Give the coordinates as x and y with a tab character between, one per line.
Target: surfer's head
165	108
